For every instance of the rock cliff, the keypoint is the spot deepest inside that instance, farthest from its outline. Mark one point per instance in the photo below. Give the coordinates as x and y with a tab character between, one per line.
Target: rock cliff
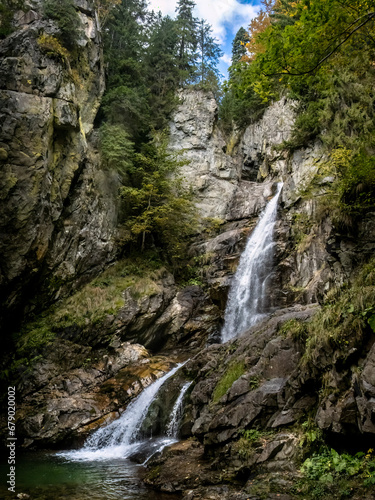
269	381
57	207
273	385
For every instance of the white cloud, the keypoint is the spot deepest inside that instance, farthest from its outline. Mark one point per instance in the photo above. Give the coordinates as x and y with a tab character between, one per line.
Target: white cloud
223	15
227	59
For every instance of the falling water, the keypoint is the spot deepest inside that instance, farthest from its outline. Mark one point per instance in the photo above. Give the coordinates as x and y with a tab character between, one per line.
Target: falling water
119	439
248	295
172	428
173	424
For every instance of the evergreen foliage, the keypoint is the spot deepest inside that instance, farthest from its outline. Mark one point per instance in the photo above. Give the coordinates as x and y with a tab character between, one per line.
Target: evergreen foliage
238	45
209	52
186	28
116	149
159	210
7	10
148	57
67	20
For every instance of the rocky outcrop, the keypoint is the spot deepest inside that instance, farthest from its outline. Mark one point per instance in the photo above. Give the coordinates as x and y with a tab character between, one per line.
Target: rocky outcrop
212	174
260	382
57	208
247	404
251	395
85	388
313	254
260	395
88	372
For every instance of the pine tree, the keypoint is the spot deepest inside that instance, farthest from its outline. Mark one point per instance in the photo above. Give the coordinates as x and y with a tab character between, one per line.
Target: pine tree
186	25
162	69
126	101
239	45
209	52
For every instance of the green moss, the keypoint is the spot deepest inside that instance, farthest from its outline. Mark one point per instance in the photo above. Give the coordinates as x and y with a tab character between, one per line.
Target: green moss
301	229
154	473
91	305
347	315
250	440
52	47
231	374
8	181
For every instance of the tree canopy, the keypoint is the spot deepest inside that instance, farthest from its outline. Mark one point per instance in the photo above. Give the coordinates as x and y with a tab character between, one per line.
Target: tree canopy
148	57
322	55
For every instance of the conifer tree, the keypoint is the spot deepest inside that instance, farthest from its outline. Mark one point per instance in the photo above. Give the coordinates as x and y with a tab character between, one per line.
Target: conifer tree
162	69
209	52
239	45
186	25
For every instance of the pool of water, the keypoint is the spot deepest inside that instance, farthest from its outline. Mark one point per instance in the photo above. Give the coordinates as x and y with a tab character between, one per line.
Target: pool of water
50	476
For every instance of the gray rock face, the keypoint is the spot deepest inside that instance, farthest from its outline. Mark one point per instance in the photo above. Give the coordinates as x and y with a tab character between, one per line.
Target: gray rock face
257	145
57	209
312	255
260	395
210	172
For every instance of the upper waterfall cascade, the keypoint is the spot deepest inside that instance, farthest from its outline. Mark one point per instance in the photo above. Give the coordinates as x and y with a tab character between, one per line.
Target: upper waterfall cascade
248	296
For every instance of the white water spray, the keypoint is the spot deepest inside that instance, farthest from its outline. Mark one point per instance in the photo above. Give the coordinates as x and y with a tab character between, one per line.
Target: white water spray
172	428
248	294
119	438
173	425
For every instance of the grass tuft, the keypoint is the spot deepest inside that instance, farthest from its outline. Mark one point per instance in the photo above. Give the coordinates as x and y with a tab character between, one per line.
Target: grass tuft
231	374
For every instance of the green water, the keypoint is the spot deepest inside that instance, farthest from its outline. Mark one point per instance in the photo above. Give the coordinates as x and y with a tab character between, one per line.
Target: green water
44	476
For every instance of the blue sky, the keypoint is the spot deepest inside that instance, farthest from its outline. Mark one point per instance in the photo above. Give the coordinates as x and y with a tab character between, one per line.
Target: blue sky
225	17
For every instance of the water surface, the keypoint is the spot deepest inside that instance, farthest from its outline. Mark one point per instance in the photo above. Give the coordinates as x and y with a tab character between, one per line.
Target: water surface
47	476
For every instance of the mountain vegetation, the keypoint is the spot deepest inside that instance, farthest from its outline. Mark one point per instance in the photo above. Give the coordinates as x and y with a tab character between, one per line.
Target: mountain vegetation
148	57
321	55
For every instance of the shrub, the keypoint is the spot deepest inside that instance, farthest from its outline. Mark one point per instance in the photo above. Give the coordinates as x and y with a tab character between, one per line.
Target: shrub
324	473
348	313
64	13
52	47
7	10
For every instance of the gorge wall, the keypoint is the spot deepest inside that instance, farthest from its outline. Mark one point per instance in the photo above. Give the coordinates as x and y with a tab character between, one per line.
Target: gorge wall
57	207
118	333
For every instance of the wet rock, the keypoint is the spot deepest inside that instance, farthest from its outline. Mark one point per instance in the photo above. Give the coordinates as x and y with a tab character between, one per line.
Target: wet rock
180	467
271	363
71	404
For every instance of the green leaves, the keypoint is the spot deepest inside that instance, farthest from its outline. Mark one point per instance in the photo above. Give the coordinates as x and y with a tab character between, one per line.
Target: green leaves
158	206
371	322
330	467
116	149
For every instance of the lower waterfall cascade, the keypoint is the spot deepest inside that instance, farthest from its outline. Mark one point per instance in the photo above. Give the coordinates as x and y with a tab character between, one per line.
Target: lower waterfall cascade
120	438
172	427
248	298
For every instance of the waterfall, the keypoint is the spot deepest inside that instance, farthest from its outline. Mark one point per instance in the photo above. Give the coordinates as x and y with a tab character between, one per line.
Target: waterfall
119	438
172	428
173	425
248	294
